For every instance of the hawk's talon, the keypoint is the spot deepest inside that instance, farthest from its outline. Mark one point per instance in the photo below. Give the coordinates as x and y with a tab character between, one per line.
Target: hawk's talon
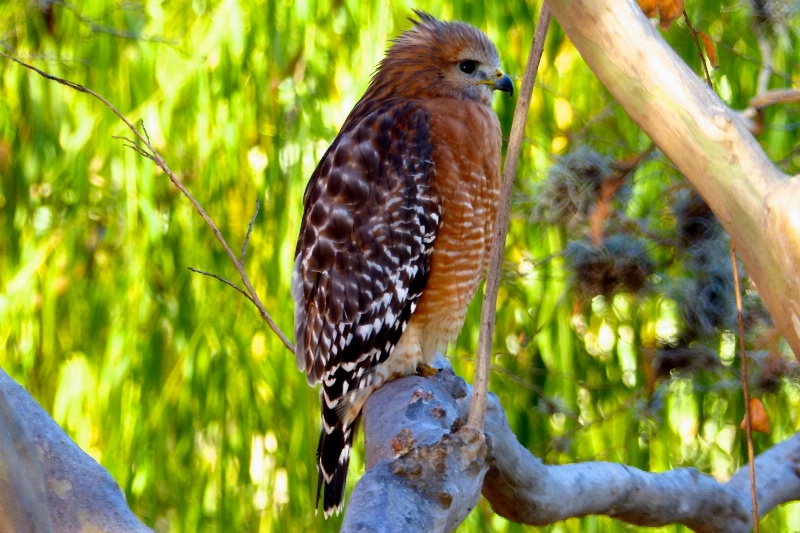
426	370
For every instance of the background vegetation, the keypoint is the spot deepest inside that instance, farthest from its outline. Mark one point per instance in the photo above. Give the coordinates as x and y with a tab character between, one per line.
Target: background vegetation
170	379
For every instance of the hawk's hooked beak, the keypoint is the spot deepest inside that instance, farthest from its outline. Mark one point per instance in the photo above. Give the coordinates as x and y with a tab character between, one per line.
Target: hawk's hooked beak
503	83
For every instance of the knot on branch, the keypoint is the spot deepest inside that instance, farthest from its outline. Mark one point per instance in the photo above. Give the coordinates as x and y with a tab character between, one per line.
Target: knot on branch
424	470
427	468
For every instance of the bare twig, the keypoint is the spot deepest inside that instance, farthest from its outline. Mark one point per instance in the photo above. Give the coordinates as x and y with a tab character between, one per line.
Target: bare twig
488	311
135	146
753	115
249	231
745	390
765	48
740	321
223	280
94	27
145	148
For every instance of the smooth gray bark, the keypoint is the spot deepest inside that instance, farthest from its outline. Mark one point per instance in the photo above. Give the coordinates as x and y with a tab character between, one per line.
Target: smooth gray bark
421	477
47	483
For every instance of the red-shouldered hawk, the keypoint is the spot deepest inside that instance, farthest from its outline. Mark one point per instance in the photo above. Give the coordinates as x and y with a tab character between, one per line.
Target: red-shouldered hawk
397	226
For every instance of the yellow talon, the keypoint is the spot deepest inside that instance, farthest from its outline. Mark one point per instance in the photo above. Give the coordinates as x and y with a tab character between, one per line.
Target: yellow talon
426	371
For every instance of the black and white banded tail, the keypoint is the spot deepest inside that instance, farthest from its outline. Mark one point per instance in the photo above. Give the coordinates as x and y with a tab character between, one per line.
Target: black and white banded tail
333	460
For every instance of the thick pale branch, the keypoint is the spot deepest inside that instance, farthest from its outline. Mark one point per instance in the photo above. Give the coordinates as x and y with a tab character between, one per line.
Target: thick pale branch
520	487
425	479
706	140
427	487
47	483
424	473
777	477
408	425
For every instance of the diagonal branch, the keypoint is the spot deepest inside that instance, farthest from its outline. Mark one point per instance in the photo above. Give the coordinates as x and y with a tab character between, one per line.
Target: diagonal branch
704	138
143	146
249	231
488	309
49	483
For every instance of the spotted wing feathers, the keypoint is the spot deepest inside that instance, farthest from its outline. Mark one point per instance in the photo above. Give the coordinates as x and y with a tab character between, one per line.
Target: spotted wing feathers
362	261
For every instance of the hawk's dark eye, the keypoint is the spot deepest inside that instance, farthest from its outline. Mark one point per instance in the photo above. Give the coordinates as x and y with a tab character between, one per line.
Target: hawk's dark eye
468	66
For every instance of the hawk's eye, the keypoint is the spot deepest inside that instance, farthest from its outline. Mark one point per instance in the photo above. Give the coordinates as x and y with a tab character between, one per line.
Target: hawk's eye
468	66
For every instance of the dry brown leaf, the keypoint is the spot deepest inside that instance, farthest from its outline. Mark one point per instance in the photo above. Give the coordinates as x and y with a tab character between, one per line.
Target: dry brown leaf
602	208
649	7
5	154
671	10
711	50
759	419
667	10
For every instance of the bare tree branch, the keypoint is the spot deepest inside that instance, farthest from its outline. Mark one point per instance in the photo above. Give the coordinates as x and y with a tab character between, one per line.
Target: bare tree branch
249	231
424	473
221	279
412	481
753	115
146	149
706	140
492	287
52	485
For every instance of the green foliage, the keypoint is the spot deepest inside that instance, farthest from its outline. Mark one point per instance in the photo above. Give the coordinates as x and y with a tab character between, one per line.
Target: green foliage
171	380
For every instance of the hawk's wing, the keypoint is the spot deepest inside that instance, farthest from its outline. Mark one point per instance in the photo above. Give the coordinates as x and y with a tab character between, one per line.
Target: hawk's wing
363	254
362	261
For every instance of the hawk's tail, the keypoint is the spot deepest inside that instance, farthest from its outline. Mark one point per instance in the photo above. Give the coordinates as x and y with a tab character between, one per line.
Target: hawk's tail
333	459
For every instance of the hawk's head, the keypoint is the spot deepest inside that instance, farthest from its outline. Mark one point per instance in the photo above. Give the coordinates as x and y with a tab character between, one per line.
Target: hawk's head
436	59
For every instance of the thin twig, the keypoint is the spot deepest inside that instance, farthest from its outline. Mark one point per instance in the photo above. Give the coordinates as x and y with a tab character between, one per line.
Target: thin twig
223	280
765	71
152	154
249	231
745	390
477	409
135	146
740	323
116	32
699	48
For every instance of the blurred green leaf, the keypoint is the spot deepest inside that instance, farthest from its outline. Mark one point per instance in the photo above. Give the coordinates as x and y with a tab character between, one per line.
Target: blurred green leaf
172	381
